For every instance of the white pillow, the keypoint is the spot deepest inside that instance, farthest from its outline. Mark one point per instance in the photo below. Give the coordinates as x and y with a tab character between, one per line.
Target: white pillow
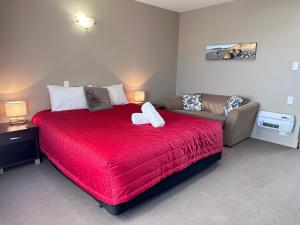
117	95
66	98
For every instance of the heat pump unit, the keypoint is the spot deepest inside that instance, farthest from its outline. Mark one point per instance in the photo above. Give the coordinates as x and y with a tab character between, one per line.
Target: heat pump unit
284	123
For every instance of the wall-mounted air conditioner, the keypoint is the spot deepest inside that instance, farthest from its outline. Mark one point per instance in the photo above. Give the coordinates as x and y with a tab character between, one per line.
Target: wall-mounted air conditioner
284	123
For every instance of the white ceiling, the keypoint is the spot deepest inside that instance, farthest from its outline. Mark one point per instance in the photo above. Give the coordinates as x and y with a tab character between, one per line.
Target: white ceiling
183	5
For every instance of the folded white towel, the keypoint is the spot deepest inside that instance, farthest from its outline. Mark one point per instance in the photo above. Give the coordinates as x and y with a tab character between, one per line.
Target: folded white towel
139	119
152	115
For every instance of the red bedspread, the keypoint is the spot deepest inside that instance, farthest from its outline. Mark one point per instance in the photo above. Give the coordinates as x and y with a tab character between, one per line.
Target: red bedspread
114	160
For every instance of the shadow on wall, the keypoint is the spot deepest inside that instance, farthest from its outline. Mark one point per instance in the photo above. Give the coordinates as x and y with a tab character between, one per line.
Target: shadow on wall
32	88
119	49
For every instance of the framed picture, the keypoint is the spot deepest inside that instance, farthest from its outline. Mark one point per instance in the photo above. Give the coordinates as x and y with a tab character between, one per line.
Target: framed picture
237	51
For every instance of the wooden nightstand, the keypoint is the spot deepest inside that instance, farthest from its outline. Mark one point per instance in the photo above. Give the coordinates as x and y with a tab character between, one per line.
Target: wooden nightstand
158	106
18	144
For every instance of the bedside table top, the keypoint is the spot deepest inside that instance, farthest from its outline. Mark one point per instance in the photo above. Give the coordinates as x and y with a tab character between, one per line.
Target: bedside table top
157	106
7	127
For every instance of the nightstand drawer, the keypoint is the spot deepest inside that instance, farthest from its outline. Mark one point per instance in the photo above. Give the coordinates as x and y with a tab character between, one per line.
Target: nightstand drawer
17	153
18	144
17	136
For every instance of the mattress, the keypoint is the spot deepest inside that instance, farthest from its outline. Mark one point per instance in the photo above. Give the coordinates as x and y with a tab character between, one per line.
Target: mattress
114	160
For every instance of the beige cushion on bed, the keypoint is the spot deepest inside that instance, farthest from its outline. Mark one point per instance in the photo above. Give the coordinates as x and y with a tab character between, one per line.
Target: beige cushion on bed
97	98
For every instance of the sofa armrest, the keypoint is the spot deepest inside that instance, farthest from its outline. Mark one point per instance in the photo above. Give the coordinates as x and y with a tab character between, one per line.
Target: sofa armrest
173	103
239	123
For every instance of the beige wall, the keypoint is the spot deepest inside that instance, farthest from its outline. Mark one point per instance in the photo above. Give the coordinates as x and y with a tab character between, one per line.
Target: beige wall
136	44
274	24
40	44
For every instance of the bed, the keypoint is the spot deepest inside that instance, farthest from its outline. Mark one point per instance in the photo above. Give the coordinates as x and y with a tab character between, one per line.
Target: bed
119	163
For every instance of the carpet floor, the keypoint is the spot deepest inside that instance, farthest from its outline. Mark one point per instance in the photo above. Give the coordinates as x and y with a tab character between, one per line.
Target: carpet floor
256	183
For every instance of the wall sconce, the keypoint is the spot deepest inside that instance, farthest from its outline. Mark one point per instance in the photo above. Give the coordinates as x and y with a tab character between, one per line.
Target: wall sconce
16	112
139	96
85	22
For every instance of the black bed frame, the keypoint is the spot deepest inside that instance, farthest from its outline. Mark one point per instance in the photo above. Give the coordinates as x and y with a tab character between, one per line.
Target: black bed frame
162	186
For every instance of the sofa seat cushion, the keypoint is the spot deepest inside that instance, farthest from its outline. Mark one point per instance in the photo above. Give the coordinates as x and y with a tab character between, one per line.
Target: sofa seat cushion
203	114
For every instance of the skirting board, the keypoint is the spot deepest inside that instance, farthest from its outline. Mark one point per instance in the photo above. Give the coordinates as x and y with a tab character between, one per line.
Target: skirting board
275	142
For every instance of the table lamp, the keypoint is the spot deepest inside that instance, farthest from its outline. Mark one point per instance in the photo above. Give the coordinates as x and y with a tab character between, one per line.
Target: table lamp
139	96
16	111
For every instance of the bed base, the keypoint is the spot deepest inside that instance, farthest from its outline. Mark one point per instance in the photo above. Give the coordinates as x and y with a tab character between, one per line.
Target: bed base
162	186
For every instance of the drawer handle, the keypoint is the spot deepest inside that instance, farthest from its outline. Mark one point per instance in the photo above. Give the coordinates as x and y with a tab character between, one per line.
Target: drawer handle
14	138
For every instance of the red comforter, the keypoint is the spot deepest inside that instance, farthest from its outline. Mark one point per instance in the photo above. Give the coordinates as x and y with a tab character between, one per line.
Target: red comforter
114	160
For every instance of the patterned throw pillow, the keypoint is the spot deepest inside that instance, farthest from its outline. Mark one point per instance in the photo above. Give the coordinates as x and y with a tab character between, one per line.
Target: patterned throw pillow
192	102
232	103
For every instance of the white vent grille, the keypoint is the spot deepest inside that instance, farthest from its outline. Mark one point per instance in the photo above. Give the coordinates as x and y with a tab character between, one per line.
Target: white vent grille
284	123
270	125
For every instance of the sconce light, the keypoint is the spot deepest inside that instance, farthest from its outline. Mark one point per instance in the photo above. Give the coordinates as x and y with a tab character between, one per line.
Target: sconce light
139	96
16	112
85	22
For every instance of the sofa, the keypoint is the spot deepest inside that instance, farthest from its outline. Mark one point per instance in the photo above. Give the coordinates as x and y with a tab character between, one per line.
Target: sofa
237	125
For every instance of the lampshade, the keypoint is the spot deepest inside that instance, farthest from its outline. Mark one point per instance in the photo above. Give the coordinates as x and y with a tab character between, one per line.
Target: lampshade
16	109
139	96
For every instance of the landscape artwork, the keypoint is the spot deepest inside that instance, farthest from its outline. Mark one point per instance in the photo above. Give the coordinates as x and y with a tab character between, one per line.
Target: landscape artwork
237	51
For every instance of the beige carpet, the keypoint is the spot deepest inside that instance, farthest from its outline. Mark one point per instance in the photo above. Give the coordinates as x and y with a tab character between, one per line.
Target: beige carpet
256	183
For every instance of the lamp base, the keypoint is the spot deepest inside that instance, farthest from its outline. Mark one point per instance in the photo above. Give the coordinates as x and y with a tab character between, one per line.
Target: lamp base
17	121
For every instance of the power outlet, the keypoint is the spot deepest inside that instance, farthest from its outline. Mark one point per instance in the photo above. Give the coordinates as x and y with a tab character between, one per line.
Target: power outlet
295	66
290	100
66	83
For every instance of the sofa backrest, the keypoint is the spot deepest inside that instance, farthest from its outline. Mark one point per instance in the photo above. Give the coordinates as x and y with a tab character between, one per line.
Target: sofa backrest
211	103
215	103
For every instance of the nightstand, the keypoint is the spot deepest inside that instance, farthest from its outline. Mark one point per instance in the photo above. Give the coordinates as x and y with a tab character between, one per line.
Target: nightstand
156	106
18	144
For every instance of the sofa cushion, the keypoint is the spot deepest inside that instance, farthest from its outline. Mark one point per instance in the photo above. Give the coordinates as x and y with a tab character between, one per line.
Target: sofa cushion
192	102
214	103
173	103
233	103
203	114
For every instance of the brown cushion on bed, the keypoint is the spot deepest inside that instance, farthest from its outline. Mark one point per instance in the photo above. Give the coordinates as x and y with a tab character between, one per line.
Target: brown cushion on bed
97	98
